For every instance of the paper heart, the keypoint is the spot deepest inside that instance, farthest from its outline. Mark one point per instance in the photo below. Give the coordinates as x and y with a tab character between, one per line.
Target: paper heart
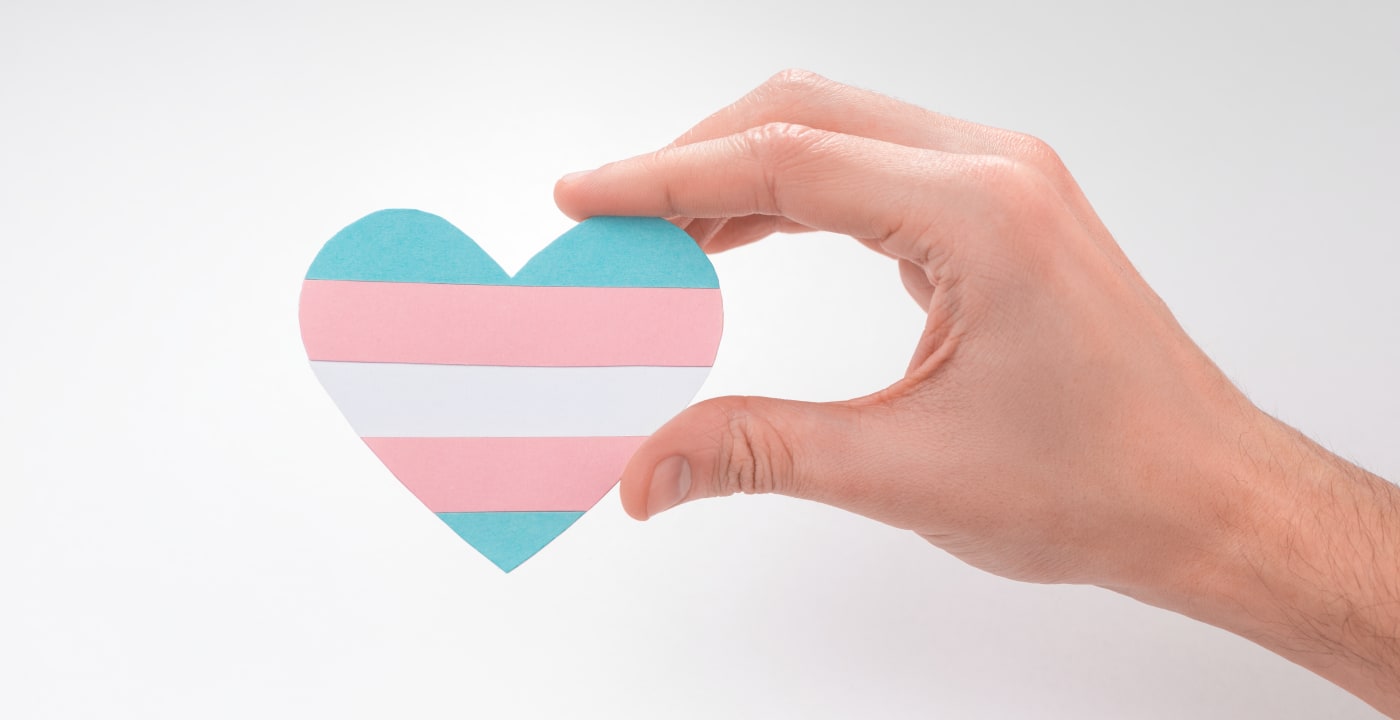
509	405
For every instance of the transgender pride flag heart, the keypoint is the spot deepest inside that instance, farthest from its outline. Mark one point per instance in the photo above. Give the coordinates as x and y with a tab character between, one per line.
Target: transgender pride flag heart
509	405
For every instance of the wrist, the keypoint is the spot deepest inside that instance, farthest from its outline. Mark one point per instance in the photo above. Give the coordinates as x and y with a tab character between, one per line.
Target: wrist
1300	556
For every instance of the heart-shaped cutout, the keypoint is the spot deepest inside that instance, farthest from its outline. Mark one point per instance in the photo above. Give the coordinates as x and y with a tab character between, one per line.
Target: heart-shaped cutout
509	405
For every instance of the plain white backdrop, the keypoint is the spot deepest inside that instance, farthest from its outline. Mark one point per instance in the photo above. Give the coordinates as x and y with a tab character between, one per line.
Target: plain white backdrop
189	529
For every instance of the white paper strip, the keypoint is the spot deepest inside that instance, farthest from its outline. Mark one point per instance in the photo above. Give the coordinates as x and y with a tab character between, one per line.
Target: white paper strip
411	400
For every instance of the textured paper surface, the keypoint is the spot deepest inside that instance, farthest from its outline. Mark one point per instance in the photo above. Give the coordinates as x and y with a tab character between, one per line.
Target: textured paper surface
509	325
509	405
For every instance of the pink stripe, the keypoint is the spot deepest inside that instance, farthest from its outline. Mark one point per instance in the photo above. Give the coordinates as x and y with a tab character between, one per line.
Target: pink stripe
503	474
508	325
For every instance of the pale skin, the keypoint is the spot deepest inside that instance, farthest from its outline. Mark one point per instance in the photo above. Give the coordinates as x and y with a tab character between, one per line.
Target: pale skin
1055	424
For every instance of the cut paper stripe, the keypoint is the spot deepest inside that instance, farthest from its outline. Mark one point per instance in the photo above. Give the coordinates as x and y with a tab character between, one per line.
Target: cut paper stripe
506	474
621	252
509	405
509	538
406	400
414	246
405	246
506	325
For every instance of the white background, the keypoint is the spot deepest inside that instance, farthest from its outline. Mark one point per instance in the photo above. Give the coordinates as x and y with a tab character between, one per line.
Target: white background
189	529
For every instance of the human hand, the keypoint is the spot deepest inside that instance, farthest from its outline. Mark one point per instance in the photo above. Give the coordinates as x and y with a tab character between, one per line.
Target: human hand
1041	429
1055	424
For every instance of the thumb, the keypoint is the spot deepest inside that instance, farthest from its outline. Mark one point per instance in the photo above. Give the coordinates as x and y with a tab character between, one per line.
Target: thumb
828	452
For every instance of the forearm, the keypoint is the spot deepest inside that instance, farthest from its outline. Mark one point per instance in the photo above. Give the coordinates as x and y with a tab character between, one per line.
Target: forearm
1307	563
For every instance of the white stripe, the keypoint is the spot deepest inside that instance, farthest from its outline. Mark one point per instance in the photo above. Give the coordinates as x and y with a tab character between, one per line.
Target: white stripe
412	400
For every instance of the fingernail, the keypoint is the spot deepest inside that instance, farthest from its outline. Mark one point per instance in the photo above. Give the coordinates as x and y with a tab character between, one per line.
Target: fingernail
670	483
575	176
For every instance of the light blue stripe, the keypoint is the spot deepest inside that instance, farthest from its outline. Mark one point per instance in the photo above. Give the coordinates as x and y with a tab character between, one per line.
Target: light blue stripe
405	246
414	246
621	252
509	538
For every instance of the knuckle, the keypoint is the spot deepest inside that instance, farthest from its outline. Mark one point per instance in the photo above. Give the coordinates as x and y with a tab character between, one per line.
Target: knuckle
1016	195
774	143
775	148
1033	151
1011	180
750	455
794	81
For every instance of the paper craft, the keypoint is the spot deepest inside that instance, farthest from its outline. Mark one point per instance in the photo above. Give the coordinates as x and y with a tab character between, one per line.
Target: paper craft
509	405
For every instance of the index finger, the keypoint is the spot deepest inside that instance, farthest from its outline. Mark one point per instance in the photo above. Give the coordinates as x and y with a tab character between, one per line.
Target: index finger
805	98
898	198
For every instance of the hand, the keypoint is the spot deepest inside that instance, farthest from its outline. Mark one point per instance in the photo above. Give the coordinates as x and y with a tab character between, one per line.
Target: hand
1053	405
1055	423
